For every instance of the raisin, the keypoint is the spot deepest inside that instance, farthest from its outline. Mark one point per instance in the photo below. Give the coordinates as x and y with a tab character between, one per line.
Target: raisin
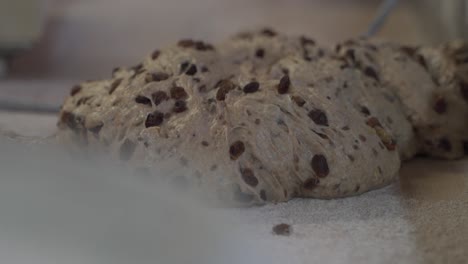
390	144
249	177
370	72
251	87
284	84
306	41
76	89
338	48
126	149
205	143
155	54
464	90
236	149
154	119
440	105
268	32
184	66
349	42
282	229
143	100
311	183
137	67
114	85
373	122
259	53
298	100
244	35
156	77
138	72
178	93
320	53
357	188
186	43
445	144
320	165
319	117
365	110
69	119
362	138
199	45
459	61
225	87
159	96
204	69
422	61
83	100
321	135
410	51
179	106
192	70
350	54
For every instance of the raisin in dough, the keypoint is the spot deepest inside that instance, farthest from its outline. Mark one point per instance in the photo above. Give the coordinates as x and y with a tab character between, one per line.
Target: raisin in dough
263	116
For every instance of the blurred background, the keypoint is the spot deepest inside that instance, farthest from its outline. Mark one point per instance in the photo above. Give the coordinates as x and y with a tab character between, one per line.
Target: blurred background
46	46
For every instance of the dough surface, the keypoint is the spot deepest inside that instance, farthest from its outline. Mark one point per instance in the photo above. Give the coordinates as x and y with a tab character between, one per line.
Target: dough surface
265	117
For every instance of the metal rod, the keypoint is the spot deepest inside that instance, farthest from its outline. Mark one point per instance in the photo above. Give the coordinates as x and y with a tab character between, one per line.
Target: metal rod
385	8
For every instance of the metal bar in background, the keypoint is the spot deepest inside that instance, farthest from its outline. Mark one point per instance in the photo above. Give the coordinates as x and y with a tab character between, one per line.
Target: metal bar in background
385	8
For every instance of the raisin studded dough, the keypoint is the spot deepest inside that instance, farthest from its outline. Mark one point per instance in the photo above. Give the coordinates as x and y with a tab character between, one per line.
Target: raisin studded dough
267	117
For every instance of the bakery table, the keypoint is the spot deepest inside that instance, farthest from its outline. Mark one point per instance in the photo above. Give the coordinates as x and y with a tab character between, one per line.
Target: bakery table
421	218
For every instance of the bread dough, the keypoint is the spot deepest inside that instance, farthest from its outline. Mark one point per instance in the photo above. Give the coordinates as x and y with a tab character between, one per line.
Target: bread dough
431	84
266	117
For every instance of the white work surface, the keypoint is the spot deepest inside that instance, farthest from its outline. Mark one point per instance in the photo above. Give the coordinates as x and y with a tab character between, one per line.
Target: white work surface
422	218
